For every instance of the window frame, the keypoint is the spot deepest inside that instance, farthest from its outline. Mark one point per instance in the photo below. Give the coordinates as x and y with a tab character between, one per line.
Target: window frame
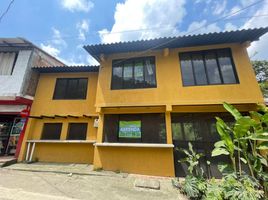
66	87
203	53
69	127
44	124
115	63
146	136
14	62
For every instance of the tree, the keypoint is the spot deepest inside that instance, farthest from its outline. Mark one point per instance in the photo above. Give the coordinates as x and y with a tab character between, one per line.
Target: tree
261	70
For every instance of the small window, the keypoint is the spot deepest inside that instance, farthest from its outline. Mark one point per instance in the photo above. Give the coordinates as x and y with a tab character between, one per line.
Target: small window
70	88
77	131
51	131
7	62
134	73
208	67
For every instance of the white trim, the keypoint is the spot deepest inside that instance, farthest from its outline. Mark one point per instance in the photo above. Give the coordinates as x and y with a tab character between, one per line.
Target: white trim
105	144
61	141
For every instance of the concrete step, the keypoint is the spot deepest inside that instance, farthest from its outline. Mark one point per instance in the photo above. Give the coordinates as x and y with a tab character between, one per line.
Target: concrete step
7	160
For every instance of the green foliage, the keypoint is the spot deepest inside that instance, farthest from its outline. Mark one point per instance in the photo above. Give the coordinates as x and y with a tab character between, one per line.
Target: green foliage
241	187
194	187
261	71
192	159
214	191
246	138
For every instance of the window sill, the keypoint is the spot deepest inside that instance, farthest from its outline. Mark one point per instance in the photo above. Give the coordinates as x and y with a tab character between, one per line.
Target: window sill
62	141
153	145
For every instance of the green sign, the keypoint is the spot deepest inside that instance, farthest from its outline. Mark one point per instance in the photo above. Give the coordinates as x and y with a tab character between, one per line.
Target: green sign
130	129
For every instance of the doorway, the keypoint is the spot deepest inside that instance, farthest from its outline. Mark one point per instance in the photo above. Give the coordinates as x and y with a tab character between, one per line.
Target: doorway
10	129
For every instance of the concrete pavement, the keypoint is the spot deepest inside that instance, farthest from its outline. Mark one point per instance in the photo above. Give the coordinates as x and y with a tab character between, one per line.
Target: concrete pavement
22	185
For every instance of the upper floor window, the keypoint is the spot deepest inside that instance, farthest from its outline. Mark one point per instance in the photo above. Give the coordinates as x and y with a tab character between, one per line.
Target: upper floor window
208	67
70	88
7	62
134	73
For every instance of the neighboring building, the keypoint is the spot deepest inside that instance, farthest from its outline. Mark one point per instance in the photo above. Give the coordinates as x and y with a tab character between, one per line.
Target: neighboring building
17	86
149	96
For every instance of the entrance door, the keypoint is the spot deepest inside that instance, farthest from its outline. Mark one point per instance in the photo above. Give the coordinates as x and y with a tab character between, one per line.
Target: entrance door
200	130
5	128
10	129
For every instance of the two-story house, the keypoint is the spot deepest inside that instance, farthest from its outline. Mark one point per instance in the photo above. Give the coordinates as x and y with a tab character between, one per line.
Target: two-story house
145	99
17	86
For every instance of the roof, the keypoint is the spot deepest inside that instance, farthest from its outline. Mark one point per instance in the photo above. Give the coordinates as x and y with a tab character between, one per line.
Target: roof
22	43
65	68
238	36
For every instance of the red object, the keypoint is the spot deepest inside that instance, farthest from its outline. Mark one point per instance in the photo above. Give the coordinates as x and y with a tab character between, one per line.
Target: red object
24	113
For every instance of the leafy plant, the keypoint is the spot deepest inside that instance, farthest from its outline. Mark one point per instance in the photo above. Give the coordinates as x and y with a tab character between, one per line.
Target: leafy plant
192	159
247	137
194	187
241	187
214	190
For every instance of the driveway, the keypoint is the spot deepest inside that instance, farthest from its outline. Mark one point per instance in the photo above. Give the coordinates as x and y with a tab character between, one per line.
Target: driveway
20	185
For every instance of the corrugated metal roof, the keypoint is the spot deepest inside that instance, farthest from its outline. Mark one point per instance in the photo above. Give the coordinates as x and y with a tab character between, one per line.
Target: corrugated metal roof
237	36
77	68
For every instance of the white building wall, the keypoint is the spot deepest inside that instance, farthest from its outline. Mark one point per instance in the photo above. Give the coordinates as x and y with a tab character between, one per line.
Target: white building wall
10	85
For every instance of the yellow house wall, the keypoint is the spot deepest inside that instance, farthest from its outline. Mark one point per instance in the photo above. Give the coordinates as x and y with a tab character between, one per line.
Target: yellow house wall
170	90
137	160
64	153
44	105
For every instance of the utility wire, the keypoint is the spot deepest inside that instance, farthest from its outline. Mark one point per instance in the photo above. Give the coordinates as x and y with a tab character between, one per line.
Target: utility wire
6	11
189	32
67	37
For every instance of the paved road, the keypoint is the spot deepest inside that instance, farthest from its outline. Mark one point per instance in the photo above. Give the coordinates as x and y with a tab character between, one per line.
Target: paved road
22	185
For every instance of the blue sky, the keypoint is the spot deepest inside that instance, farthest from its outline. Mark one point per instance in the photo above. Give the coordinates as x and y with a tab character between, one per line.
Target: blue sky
62	27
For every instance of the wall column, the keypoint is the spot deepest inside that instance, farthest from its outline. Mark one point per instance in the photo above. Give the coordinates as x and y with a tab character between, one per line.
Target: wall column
168	127
100	128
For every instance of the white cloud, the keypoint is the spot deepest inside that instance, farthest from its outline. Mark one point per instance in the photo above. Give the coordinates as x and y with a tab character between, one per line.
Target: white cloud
77	5
258	49
230	27
55	45
154	17
83	27
201	27
50	49
57	38
91	60
219	7
247	2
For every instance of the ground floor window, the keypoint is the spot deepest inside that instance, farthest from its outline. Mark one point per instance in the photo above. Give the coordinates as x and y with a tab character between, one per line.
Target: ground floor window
135	128
77	131
200	130
51	131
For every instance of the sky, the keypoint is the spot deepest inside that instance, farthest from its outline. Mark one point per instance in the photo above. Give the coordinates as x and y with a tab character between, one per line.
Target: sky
62	27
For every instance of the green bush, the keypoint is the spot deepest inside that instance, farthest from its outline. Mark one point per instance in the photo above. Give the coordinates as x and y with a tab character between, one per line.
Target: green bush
241	187
193	187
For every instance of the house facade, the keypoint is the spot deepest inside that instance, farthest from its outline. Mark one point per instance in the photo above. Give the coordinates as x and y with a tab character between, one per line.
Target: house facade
17	87
145	100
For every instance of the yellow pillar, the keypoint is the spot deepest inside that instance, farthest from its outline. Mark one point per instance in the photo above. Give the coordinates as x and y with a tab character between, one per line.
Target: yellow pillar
100	128
168	127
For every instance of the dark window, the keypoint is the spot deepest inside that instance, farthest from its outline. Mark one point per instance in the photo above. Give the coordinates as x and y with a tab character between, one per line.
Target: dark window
208	67
135	128
51	131
77	131
134	73
200	130
70	88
